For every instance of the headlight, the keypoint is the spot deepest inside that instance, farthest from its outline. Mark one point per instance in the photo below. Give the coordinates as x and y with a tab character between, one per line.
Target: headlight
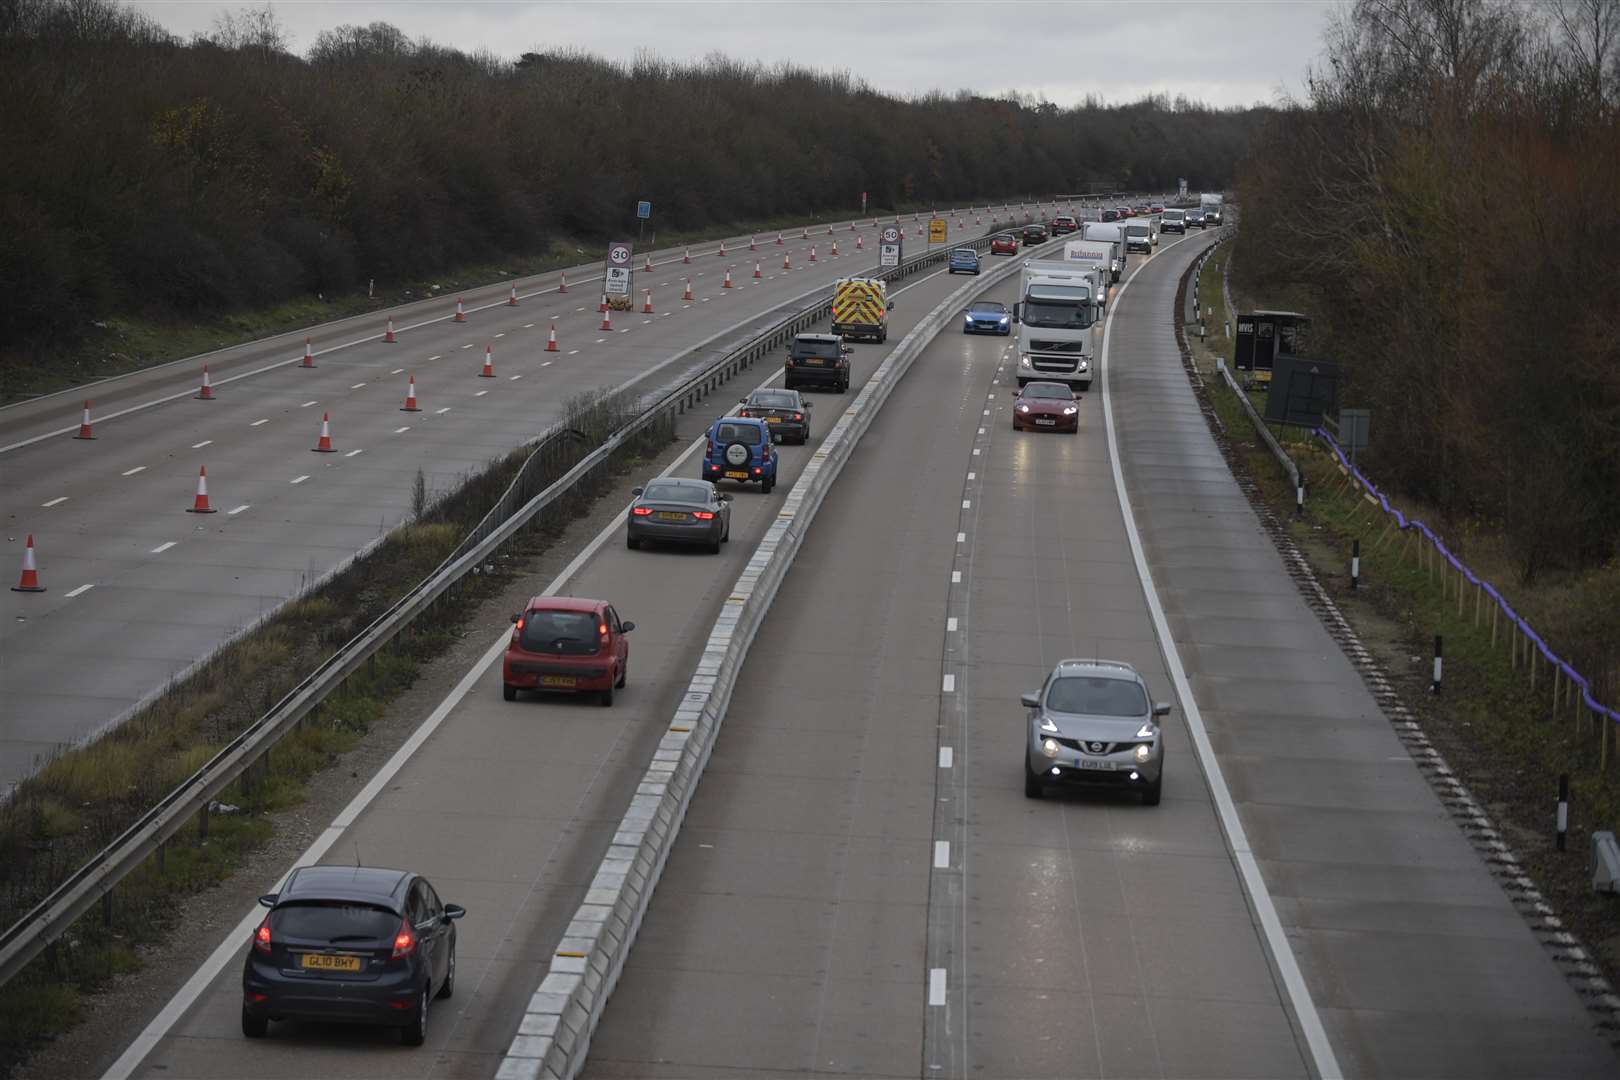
1023	408
1143	752
1049	747
1023	360
1070	410
1004	318
1085	365
1145	732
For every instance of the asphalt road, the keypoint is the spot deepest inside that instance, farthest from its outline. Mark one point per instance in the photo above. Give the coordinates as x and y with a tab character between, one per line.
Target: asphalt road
139	590
507	807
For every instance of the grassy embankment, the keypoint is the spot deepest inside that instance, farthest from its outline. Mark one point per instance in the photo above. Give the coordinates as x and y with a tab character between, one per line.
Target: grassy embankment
79	802
1508	733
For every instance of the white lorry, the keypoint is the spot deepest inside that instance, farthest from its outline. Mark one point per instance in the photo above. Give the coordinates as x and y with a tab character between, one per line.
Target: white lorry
1108	232
1210	203
1095	258
1058	328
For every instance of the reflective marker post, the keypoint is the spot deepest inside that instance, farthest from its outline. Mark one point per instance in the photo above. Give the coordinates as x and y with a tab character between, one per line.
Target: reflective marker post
1355	565
1563	810
1434	687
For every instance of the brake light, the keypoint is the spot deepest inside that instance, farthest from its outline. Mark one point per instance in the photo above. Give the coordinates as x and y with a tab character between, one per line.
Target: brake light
798	416
404	941
790	361
640	511
756	470
602	629
261	936
742	412
703	515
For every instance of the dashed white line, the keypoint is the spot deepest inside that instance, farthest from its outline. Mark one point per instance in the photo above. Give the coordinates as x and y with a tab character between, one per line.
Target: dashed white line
468	345
513	378
975	451
441	412
950	624
132	472
200	445
357	386
299	479
946	756
307	404
481	393
961	538
947	684
573	352
956	577
352	453
403	430
256	423
600	340
161	548
500	335
528	326
436	357
936	986
80	589
967	504
546	363
56	501
238	510
942	854
397	371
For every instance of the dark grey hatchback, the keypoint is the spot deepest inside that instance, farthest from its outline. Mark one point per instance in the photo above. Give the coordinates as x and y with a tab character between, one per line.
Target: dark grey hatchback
351	944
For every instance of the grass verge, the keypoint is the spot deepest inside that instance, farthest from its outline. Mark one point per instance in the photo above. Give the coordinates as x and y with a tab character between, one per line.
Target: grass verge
81	801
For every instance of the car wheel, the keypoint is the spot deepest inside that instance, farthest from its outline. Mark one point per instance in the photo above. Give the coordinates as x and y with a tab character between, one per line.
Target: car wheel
725	537
509	692
254	1027
449	986
1152	793
607	697
767	485
624	673
1032	783
415	1032
631	542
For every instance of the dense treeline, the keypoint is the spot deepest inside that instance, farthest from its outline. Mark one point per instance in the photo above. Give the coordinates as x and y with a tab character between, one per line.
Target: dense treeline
185	176
1447	204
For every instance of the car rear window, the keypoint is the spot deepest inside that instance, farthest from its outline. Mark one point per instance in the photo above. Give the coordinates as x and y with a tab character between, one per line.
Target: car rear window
681	493
774	399
568	633
825	349
332	920
1096	696
964	253
747	434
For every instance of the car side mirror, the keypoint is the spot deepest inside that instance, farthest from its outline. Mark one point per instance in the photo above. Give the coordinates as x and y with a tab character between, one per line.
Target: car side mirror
626	627
891	305
809	404
1161	708
847	349
453	912
1016	309
637	491
269	899
1030	700
723	497
516	617
742	401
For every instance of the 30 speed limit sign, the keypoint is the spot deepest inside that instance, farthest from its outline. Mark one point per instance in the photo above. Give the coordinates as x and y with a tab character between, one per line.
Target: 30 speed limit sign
616	282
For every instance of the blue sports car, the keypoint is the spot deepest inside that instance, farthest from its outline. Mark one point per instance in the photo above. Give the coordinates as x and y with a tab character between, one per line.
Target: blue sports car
987	317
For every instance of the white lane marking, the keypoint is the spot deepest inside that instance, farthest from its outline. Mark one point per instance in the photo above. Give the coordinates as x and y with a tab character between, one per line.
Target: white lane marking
528	326
948	684
59	500
307	404
358	385
256	423
132	472
946	755
942	854
961	538
500	335
238	510
80	589
981	431
967	504
987	412
936	983
975	451
600	340
546	363
579	309
402	430
299	479
397	371
165	546
956	577
646	322
468	345
352	453
436	357
970	476
513	378
573	352
441	412
992	397
481	393
1237	838
950	624
200	445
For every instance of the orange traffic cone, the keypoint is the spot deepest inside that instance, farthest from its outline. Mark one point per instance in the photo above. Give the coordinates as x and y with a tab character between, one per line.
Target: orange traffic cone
860	243
806	234
753	243
686	256
201	505
489	365
512	300
603	305
648	264
607	319
787	260
852	226
722	252
778	239
687	295
756	271
812	253
388	336
410	396
551	338
30	573
205	392
919	230
461	312
562	286
727	283
324	446
829	230
835	249
84	424
646	302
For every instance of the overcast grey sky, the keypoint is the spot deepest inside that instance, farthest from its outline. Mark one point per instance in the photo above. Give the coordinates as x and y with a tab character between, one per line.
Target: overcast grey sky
1223	52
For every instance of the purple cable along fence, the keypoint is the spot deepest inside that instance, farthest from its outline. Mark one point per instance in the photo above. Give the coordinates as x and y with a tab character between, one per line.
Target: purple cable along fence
1575	678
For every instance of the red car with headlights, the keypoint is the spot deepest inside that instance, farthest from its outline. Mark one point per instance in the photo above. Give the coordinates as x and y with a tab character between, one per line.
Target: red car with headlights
1004	244
567	644
1046	406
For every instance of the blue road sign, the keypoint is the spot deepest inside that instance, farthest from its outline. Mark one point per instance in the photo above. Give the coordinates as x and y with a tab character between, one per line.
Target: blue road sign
643	210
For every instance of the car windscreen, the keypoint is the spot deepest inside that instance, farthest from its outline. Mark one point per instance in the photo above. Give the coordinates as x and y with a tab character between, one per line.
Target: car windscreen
747	434
1048	390
1137	231
1059	308
774	399
1096	696
332	921
988	307
677	493
1172	215
825	349
568	633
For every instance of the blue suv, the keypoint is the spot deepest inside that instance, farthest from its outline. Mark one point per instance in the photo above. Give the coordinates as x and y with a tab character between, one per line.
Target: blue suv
965	260
740	448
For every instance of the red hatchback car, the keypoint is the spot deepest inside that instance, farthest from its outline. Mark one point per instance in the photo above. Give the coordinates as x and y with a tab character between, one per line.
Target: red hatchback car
1004	244
569	644
1047	406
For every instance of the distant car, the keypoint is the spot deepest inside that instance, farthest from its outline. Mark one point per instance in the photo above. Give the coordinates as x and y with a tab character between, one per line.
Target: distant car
1173	221
1035	234
1144	210
1064	224
786	411
740	448
1093	724
1004	244
987	317
1194	219
820	360
675	511
567	644
1110	215
963	260
1126	212
1156	209
1043	406
354	944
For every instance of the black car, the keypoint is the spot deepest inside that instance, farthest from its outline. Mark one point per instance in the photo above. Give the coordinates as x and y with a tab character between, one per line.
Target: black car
786	411
1035	234
817	360
678	511
353	944
1110	215
1195	218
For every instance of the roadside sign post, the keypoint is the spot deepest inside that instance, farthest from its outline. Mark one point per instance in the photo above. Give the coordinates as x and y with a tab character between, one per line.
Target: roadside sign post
891	246
863	202
618	278
936	231
1353	424
643	212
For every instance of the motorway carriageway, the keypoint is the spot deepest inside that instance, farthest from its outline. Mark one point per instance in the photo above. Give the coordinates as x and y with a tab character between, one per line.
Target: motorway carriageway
508	807
140	590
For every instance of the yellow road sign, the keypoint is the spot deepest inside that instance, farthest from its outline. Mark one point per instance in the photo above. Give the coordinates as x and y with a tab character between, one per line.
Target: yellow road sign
936	230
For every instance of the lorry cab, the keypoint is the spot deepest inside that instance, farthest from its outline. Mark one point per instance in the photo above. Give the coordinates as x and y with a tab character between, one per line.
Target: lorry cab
1057	320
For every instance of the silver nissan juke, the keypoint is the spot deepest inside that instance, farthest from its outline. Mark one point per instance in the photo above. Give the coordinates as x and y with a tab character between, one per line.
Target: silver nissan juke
1093	724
